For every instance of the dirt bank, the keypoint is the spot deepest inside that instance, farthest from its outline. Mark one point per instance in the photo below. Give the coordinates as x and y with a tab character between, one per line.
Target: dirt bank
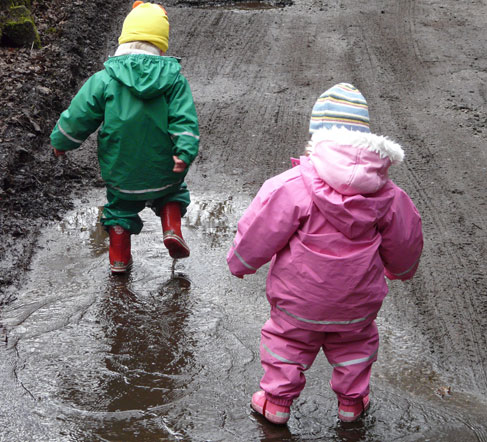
35	86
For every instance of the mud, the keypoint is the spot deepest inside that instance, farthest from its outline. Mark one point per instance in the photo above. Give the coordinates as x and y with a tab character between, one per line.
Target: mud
255	74
35	86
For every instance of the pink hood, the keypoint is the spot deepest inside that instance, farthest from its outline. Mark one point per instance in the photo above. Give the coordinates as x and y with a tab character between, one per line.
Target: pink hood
348	167
353	162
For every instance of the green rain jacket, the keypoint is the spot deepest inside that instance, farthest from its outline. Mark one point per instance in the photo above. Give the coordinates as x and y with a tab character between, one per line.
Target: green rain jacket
146	111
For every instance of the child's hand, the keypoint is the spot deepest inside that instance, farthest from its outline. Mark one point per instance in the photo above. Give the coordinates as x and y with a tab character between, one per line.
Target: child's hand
179	165
58	153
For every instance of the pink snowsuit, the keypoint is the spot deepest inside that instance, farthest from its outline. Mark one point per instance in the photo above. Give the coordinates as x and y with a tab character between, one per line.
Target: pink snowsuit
333	227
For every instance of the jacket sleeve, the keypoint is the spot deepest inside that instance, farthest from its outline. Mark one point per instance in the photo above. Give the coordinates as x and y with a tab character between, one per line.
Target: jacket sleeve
83	116
264	229
402	238
183	121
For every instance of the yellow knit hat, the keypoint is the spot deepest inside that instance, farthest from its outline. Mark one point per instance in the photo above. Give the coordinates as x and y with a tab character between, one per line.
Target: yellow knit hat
146	22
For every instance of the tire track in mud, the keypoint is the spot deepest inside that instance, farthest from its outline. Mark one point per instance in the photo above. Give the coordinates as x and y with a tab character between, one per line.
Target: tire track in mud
223	96
450	284
258	102
468	323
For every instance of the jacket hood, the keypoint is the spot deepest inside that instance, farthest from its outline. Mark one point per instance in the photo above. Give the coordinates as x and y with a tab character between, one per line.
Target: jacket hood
353	162
346	176
147	76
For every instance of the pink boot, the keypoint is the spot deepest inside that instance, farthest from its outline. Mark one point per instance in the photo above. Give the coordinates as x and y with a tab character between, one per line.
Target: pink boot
350	413
277	414
171	228
119	251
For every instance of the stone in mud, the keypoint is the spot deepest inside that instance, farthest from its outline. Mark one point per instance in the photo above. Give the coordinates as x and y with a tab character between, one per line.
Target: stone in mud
18	28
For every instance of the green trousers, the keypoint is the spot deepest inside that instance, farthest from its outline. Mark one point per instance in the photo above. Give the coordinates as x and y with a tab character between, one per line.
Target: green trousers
125	213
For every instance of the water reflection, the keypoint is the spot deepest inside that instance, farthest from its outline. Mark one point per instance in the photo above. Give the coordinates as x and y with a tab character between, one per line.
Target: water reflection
353	431
271	432
212	218
149	344
150	349
85	225
170	351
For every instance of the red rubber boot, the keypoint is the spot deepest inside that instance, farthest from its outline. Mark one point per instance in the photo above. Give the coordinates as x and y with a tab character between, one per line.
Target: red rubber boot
119	251
171	229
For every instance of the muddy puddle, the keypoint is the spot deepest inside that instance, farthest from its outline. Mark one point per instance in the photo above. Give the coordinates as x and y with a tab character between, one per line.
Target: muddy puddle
171	350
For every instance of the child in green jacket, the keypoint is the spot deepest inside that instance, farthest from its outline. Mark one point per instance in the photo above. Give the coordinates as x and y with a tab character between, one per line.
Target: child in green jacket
148	133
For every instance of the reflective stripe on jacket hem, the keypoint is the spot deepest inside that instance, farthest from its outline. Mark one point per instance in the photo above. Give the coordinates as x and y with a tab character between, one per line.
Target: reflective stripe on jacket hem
134	192
280	358
355	361
313	321
69	137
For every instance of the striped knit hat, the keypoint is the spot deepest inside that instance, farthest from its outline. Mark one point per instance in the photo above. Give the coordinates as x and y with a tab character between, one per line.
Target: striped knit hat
340	106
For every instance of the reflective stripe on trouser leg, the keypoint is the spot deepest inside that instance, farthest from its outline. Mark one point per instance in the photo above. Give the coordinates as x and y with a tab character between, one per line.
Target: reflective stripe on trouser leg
180	195
124	213
352	354
285	353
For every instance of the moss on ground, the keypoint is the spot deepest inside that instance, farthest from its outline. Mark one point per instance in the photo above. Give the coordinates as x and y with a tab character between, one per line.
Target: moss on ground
18	29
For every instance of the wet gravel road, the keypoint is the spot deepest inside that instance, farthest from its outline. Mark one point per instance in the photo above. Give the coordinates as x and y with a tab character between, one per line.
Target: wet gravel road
170	352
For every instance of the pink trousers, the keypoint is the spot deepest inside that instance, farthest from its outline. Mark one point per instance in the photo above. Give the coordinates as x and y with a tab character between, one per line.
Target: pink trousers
287	352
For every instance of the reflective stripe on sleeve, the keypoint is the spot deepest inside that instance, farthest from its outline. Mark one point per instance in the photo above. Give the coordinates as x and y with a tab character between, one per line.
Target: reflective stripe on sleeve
406	271
280	358
69	137
189	134
313	321
242	260
355	361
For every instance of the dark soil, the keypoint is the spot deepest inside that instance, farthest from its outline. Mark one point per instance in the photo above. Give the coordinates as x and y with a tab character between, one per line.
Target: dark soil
36	85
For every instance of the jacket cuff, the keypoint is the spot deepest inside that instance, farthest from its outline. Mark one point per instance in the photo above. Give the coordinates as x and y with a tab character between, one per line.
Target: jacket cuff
185	157
237	265
403	276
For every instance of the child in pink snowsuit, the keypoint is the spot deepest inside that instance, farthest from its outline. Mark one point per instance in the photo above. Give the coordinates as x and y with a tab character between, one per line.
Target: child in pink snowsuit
332	227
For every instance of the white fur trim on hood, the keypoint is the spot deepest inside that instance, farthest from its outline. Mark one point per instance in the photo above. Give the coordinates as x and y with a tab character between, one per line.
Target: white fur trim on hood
353	162
375	143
